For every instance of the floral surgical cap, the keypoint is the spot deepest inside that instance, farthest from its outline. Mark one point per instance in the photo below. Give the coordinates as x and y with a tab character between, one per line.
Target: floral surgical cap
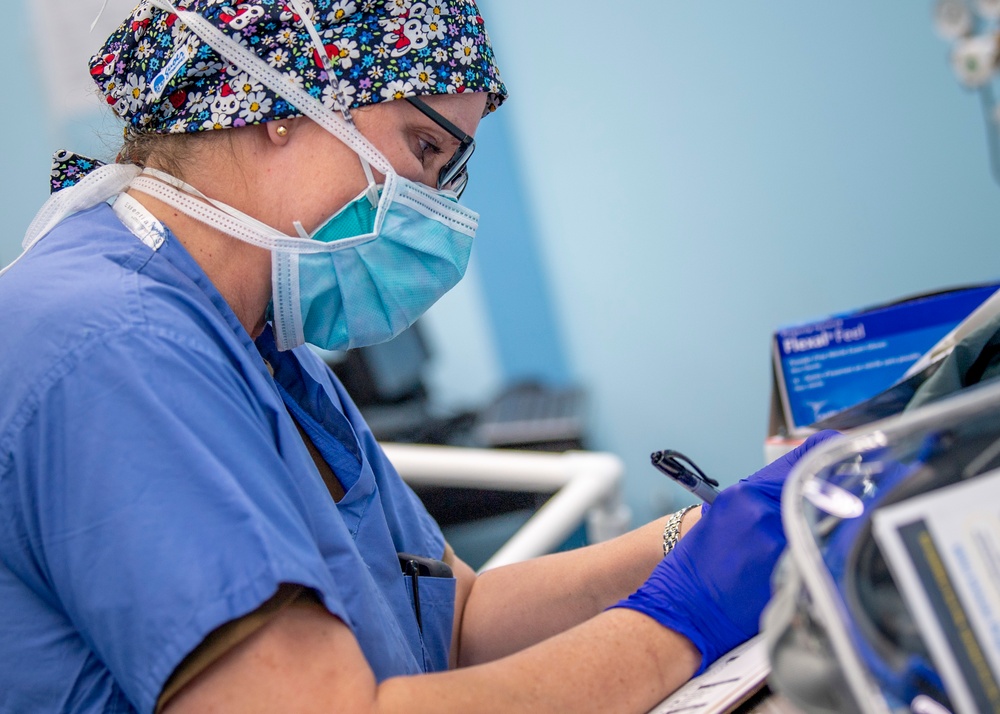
160	77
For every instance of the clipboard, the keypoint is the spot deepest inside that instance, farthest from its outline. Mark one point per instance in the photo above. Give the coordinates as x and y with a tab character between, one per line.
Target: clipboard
727	684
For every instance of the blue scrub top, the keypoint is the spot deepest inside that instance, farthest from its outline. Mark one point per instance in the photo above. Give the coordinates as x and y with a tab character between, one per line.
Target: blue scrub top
153	485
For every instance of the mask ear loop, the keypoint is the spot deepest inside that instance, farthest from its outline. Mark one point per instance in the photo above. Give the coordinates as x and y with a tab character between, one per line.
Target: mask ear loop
307	104
372	192
100	14
334	81
323	58
231	221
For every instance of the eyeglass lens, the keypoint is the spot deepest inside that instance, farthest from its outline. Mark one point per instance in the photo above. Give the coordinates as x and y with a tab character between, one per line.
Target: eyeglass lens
454	175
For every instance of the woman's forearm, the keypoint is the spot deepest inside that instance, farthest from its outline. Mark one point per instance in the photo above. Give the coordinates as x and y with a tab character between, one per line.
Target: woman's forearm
621	661
516	606
305	660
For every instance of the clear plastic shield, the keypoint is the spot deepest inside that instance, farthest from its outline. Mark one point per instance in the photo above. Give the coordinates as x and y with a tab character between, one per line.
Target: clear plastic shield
862	621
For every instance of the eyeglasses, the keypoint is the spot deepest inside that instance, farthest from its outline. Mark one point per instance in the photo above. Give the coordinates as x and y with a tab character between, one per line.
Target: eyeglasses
454	175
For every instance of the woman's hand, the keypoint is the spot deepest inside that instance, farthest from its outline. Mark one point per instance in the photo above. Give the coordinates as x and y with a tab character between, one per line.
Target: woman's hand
713	585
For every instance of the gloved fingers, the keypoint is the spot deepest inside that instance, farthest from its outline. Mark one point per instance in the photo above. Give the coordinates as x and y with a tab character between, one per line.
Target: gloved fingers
771	478
814	439
731	553
712	587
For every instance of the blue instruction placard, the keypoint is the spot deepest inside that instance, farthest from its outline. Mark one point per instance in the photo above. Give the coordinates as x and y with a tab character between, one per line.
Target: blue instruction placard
840	361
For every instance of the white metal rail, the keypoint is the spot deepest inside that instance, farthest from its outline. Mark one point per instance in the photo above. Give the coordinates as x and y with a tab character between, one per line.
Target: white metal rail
586	486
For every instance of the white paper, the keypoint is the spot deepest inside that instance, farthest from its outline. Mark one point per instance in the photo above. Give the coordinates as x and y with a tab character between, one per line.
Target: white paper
727	683
943	549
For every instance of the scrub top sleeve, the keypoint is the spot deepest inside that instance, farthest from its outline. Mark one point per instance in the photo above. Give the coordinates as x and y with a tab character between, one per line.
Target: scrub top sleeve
163	507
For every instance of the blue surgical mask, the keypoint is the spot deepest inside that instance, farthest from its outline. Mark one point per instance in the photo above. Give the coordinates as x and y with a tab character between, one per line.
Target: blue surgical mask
369	291
369	271
362	277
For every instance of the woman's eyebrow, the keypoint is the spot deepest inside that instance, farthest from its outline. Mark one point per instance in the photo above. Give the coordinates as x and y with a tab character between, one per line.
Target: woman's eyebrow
441	136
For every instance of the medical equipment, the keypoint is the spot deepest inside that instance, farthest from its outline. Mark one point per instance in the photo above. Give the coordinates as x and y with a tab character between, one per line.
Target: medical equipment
972	29
876	609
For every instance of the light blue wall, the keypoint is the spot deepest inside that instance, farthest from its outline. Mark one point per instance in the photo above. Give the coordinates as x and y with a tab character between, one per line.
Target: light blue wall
519	304
694	174
703	172
24	136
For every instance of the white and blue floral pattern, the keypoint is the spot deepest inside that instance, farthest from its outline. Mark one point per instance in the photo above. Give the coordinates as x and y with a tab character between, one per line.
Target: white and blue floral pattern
159	76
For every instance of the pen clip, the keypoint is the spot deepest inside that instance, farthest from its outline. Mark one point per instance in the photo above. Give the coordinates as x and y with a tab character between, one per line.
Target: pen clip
672	462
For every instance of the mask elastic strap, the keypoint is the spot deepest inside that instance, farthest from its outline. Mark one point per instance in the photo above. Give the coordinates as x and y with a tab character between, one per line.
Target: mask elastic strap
324	59
261	228
280	83
98	186
372	191
172	180
235	223
162	176
100	14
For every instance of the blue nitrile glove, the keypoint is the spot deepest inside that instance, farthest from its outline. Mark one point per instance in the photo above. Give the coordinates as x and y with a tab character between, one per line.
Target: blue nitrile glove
712	587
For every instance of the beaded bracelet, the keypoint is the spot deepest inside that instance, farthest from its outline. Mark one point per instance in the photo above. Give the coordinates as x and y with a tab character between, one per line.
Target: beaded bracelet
672	531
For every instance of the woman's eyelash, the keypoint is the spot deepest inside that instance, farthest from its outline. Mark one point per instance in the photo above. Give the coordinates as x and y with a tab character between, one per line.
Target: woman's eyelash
426	146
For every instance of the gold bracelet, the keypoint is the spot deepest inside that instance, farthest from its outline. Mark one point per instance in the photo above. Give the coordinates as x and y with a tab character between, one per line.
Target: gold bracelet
672	531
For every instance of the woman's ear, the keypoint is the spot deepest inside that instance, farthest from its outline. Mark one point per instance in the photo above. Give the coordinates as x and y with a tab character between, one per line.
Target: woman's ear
279	131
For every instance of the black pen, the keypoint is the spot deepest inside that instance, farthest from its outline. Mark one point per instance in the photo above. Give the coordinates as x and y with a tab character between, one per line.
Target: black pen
693	479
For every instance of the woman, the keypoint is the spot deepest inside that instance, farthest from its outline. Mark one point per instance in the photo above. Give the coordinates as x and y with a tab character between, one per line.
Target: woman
194	514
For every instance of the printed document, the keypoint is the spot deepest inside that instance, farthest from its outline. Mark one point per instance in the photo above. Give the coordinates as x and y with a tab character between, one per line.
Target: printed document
943	549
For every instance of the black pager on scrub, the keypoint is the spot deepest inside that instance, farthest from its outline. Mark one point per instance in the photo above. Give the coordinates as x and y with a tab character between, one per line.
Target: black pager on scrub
416	567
